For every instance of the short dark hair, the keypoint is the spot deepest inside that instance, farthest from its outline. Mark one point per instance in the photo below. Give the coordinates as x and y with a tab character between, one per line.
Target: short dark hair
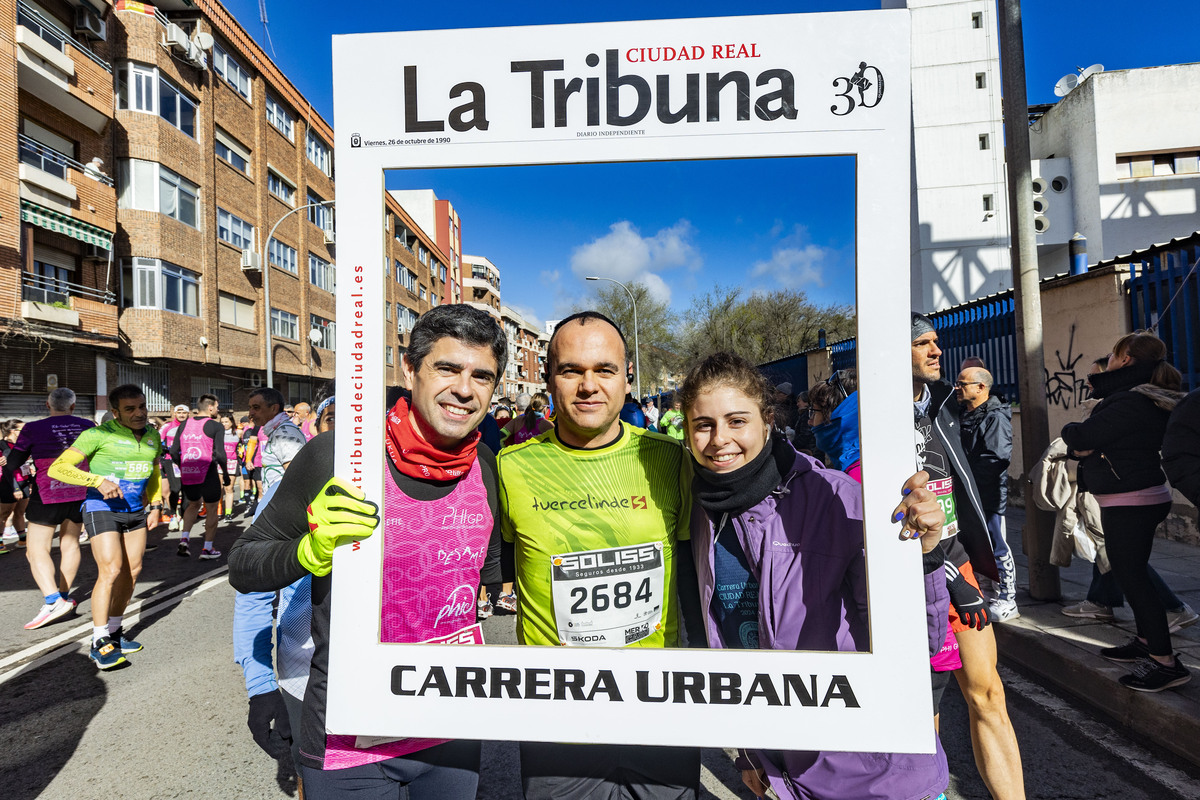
126	391
463	323
270	395
207	402
582	317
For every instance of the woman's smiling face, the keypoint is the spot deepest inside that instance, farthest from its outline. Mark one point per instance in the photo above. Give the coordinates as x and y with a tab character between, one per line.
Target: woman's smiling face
726	429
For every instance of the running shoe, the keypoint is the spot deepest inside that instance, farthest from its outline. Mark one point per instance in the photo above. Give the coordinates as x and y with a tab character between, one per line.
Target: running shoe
127	645
209	555
21	540
1178	620
228	517
508	602
174	524
1001	610
1151	676
106	653
50	612
183	551
1089	610
1134	650
251	507
483	609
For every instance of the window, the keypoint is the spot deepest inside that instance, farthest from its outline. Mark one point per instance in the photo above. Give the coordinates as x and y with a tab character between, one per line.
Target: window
235	230
387	311
1147	165
422	254
390	355
321	216
281	118
408	279
136	88
443	274
406	318
235	310
280	187
176	107
233	72
232	151
977	19
403	235
149	186
318	152
987	203
422	292
326	328
153	283
221	387
980	80
285	325
985	142
320	273
282	256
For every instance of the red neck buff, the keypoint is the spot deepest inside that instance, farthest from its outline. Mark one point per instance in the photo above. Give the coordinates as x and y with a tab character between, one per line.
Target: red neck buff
417	458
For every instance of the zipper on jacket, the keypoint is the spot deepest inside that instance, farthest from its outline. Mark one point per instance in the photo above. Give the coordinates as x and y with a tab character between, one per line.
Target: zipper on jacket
1111	468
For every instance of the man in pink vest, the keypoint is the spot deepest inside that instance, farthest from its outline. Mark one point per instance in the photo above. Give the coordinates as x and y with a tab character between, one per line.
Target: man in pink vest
199	450
433	467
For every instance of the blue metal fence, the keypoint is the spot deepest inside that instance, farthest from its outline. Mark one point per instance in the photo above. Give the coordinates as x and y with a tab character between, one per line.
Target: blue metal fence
844	354
986	328
1170	271
793	370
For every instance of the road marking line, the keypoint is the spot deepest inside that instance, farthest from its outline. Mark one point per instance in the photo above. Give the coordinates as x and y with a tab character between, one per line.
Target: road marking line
1104	735
135	608
710	782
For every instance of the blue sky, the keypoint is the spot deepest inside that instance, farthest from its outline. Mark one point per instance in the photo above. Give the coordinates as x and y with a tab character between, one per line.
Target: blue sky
546	227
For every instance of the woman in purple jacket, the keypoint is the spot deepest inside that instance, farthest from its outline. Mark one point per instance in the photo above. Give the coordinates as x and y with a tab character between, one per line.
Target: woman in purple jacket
752	492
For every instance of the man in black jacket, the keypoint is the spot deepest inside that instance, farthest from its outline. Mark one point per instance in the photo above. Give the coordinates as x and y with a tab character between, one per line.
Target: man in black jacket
986	431
968	550
1181	448
455	357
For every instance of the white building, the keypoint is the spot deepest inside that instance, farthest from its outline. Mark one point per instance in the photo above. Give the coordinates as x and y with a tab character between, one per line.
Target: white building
1128	143
960	211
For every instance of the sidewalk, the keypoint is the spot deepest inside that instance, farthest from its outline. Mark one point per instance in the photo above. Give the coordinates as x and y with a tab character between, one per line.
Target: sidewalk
1063	650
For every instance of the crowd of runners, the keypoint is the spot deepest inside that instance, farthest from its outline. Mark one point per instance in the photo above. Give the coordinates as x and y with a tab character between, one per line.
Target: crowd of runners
752	543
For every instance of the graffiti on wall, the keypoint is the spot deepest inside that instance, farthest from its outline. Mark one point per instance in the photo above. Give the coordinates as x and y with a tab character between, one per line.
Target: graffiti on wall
1064	387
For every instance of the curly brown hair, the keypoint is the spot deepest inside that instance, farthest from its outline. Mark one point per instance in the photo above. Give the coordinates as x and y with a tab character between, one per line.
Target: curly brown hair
728	369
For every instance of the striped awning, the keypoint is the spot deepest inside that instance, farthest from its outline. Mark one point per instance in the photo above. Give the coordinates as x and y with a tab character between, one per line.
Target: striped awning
64	223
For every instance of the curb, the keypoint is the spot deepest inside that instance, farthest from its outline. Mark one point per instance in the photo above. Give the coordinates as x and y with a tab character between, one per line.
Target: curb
1163	718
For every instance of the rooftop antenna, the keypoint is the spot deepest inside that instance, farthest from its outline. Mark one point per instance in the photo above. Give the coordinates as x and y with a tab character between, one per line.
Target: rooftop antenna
1065	84
262	16
1084	74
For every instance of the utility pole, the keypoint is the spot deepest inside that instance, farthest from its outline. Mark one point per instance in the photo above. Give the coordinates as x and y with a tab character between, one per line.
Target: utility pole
1038	532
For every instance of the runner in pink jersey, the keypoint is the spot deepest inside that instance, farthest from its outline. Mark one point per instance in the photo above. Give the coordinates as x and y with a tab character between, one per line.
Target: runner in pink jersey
53	505
231	463
199	452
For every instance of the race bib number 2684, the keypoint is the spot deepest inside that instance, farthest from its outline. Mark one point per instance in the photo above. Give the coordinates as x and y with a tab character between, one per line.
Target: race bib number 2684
608	598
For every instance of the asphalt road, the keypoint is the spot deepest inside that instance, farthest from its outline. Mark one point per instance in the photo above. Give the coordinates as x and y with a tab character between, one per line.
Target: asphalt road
172	723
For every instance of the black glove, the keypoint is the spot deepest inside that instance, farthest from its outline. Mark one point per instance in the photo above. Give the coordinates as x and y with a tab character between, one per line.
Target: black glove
264	709
967	600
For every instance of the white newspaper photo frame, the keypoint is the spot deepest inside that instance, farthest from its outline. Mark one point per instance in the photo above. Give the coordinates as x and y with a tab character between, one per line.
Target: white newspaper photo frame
818	85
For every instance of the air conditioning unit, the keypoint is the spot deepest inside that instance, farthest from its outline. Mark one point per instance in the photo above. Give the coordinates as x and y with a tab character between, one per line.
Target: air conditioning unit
251	261
94	252
176	39
256	380
195	56
89	25
329	238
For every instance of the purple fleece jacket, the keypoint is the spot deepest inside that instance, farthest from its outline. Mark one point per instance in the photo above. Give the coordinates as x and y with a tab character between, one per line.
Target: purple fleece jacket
804	544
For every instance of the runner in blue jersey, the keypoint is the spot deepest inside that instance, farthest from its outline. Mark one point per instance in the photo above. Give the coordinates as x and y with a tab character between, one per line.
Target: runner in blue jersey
121	454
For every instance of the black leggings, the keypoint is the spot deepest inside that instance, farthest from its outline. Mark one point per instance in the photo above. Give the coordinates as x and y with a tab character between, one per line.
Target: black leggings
1129	537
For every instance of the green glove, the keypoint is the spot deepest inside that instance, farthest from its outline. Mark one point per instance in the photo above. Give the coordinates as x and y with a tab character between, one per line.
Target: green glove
340	513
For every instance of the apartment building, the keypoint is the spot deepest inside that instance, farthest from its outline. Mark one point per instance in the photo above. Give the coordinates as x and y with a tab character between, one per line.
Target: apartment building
167	203
418	280
481	284
526	355
441	221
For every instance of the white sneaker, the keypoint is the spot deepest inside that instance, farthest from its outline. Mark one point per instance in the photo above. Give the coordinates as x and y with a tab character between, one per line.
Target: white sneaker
1089	610
50	612
10	534
1178	620
1003	610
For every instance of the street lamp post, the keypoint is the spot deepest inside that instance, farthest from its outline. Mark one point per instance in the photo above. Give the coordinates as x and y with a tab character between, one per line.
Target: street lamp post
637	361
266	268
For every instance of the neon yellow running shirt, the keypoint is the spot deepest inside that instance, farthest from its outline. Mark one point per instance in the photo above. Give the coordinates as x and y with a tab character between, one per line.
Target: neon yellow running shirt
595	533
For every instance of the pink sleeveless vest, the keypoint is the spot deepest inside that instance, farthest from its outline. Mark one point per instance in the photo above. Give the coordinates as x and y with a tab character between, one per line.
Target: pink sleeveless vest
195	452
432	555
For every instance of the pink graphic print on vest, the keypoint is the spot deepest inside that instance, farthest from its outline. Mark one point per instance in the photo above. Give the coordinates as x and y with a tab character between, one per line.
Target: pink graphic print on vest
195	452
231	444
432	555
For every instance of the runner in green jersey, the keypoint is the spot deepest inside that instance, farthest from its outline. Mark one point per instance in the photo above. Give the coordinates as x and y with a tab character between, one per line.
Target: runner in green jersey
597	513
121	455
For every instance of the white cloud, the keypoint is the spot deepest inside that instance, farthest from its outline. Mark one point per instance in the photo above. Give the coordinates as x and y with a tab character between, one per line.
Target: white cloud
625	255
794	267
529	315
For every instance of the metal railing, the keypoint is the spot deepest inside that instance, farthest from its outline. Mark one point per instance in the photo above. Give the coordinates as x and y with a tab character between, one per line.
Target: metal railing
1164	293
47	159
43	289
986	328
29	17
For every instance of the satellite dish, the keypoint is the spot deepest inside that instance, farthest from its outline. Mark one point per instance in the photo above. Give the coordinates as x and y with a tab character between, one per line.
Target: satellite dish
1090	71
1065	84
204	40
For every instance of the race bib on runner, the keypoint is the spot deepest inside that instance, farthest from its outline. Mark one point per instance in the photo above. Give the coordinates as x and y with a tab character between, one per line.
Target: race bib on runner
608	598
944	489
136	470
472	634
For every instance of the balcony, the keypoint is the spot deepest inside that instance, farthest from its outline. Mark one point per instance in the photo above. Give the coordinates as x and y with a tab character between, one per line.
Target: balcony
67	304
45	175
61	71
